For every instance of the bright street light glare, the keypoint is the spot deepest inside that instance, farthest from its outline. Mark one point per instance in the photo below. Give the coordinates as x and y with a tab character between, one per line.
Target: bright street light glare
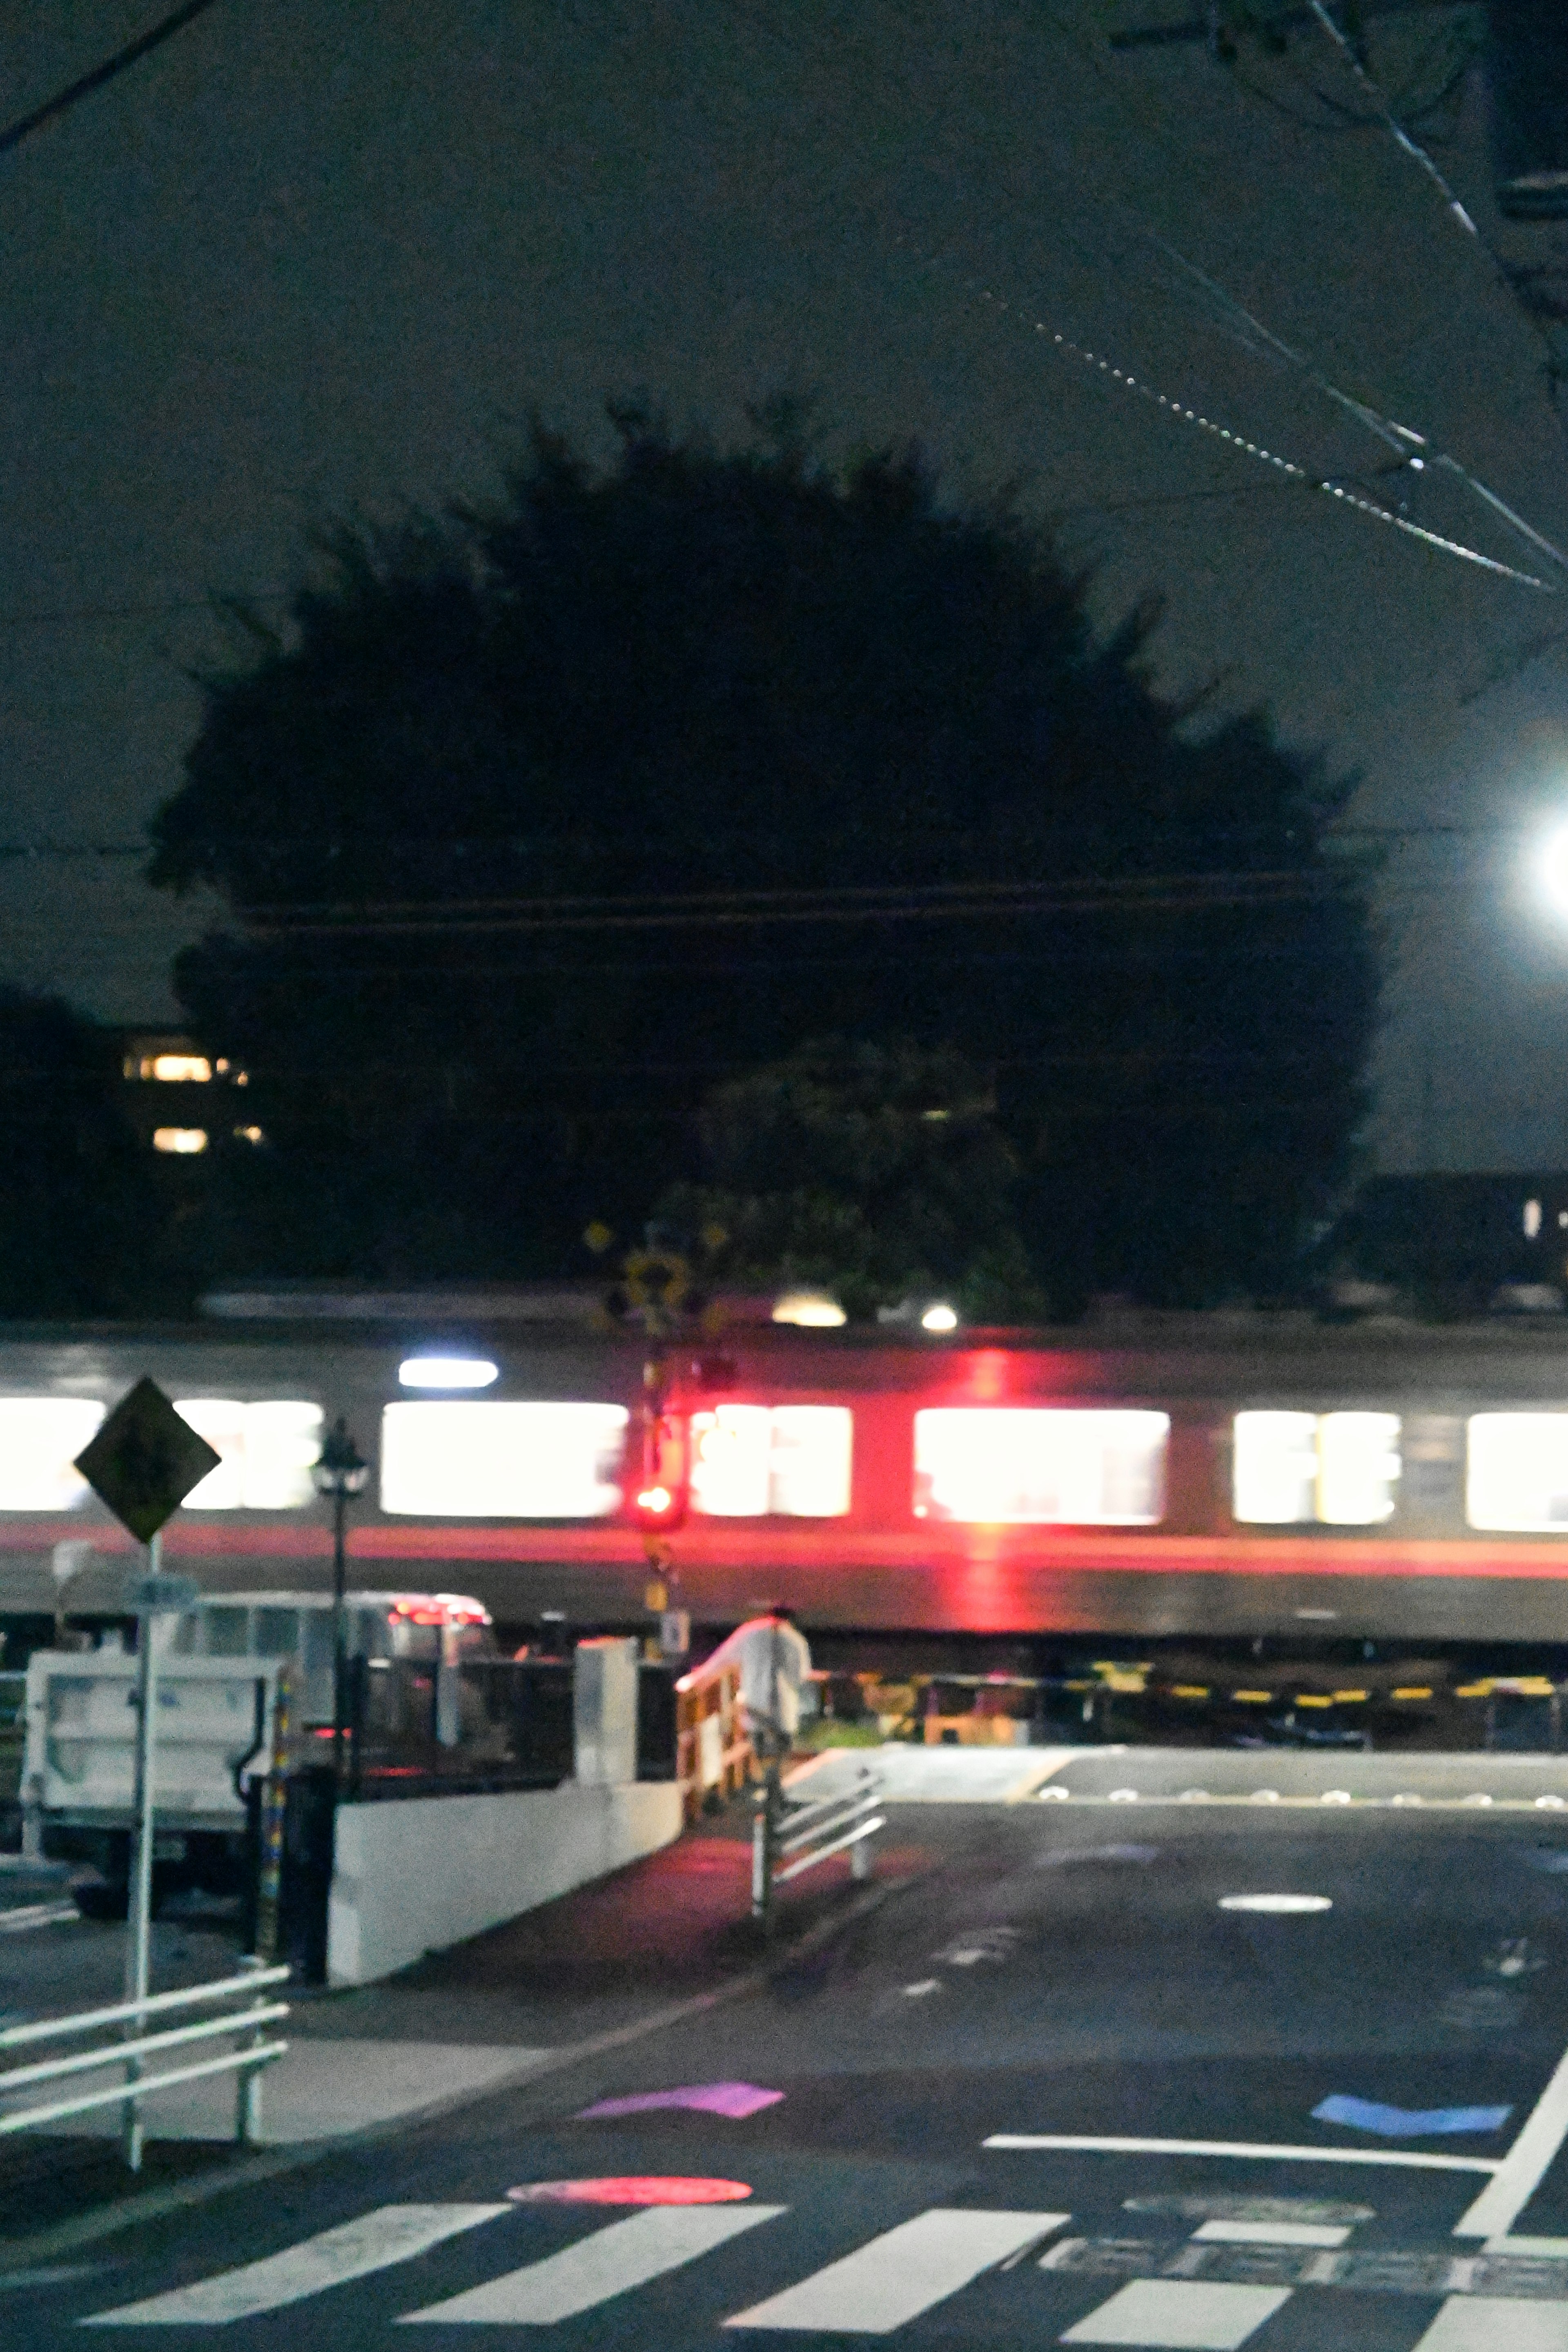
1555	869
940	1318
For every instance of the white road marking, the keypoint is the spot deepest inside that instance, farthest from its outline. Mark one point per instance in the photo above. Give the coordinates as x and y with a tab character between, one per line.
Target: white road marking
393	2233
1496	2323
35	1914
926	1984
1274	2233
628	2254
1280	1903
883	2285
1190	2314
1521	2172
1554	2249
1264	2151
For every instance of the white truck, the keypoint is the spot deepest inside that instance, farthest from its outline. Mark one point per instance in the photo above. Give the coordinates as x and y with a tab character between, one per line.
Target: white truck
219	1669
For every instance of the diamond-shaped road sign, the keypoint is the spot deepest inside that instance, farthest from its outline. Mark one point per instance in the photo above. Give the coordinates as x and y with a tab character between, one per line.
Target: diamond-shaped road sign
144	1460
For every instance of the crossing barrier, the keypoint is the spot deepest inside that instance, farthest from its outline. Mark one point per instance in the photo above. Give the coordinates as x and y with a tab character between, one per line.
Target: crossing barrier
789	1839
252	2052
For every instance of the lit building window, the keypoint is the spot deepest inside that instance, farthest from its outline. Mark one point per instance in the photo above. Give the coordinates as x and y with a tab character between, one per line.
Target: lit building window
182	1139
502	1460
40	1438
249	1135
1290	1469
1532	1220
267	1452
179	1069
1041	1466
1517	1475
791	1460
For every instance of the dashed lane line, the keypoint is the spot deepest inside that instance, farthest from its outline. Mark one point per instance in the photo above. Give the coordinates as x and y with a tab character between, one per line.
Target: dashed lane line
1263	2151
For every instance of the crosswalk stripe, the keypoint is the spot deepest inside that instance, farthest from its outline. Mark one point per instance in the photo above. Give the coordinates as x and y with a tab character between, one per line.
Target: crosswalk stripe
1496	2323
1197	2314
393	2233
628	2254
897	2276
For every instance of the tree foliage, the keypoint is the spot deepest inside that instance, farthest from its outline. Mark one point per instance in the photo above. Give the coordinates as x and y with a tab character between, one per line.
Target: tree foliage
878	1173
542	819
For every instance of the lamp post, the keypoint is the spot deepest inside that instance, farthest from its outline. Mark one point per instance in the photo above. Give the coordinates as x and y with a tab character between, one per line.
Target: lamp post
342	1473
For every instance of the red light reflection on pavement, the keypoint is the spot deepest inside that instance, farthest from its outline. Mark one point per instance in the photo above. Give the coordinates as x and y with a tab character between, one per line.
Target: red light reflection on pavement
633	2188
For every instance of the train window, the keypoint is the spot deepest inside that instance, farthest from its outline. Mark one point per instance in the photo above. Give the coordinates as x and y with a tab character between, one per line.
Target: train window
1358	1468
1517	1474
267	1452
225	1633
277	1632
790	1460
40	1437
1065	1468
1291	1468
502	1460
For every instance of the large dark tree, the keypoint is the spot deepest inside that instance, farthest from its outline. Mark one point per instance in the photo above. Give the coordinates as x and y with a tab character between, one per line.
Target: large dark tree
540	820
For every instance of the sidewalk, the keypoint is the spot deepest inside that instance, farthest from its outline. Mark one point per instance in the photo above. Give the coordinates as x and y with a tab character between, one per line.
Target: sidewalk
609	1961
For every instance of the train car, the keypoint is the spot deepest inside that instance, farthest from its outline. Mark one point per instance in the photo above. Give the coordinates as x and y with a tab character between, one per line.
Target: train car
1201	1476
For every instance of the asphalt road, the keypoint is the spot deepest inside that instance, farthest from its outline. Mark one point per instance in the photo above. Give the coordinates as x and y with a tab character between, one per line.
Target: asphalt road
1061	1972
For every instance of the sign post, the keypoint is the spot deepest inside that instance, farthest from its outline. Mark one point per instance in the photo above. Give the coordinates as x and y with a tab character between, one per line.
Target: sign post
142	1463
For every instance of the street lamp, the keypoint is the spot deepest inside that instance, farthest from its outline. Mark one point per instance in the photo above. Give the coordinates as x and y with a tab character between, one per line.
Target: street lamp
340	1472
1555	869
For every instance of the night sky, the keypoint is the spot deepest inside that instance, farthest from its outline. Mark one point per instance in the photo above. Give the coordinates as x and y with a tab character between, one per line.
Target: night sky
312	255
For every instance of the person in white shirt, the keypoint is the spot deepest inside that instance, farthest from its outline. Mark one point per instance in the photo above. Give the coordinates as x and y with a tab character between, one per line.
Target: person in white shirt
774	1661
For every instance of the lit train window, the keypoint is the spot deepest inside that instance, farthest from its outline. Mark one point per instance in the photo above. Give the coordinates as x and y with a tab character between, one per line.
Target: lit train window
40	1437
267	1452
1053	1468
792	1460
1517	1476
1341	1469
502	1460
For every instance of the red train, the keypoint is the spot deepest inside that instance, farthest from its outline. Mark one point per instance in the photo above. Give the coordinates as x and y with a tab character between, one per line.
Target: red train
1193	1476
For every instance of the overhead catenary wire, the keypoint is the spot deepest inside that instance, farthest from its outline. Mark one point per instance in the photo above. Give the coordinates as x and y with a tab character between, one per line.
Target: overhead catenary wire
1411	147
1243	444
108	71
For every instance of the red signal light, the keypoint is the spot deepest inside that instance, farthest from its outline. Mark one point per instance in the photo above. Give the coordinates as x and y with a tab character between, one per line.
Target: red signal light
658	1496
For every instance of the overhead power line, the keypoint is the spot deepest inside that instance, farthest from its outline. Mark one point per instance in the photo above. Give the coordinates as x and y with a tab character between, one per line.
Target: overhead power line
122	59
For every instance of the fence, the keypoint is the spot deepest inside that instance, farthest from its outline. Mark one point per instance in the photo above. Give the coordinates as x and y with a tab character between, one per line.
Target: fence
1385	1705
712	1753
132	2052
416	1728
787	1839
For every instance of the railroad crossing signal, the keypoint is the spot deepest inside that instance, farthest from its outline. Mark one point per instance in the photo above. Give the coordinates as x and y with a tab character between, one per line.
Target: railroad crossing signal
144	1460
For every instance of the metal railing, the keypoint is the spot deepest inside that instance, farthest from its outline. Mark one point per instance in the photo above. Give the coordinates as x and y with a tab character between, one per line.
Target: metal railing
712	1751
788	1840
133	2050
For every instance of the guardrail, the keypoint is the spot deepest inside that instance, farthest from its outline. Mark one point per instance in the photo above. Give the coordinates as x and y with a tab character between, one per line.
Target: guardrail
131	2052
1388	1704
712	1752
788	1840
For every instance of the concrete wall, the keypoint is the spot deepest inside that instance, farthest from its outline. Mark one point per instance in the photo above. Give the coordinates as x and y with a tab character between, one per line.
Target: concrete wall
413	1877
